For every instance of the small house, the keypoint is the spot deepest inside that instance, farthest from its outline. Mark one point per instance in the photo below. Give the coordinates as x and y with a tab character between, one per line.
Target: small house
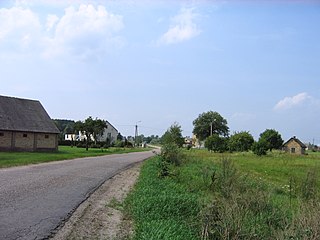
294	146
26	126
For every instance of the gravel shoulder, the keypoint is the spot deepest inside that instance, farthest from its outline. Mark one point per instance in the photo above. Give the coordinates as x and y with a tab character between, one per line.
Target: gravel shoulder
100	216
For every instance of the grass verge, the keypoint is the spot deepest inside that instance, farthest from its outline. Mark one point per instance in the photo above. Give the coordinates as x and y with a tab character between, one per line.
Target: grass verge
161	207
228	196
11	159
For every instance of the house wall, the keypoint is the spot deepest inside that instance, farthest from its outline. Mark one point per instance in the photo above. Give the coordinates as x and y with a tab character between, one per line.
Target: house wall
46	141
109	132
5	139
296	146
24	141
27	141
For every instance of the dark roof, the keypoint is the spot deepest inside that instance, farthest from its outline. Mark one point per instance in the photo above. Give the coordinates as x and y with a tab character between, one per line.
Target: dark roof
25	115
296	140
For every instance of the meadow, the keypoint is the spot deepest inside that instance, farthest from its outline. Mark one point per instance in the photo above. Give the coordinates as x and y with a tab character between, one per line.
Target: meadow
228	196
11	159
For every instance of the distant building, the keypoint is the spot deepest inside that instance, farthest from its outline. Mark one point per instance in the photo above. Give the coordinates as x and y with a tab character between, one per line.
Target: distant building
110	132
26	126
294	146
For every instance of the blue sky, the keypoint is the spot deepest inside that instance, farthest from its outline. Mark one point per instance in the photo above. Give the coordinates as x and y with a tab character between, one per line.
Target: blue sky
257	63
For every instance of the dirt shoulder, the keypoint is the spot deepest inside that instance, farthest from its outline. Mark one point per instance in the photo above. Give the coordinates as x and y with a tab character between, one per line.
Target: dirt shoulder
100	216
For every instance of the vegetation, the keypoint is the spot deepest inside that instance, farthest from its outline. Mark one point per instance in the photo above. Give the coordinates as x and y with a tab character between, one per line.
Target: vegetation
240	142
228	196
91	127
209	123
216	143
272	139
173	136
162	208
64	126
10	159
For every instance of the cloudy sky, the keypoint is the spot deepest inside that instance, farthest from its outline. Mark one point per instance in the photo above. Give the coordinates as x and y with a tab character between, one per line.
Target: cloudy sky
257	63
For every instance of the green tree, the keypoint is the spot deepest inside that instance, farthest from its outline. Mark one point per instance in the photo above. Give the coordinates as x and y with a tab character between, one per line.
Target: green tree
173	135
65	126
119	137
209	123
260	147
240	141
272	138
91	127
216	143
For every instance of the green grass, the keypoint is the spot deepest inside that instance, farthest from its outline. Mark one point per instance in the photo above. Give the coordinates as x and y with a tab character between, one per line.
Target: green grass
11	159
229	196
162	208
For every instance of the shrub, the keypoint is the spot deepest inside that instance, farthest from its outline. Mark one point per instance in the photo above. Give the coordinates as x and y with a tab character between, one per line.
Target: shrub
260	148
216	143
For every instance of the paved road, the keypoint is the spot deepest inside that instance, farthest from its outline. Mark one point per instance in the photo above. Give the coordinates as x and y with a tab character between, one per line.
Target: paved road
35	200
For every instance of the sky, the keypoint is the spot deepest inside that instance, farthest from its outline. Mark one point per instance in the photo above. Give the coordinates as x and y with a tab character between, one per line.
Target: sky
157	62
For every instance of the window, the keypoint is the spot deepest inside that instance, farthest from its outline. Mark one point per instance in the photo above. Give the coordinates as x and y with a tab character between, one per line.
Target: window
46	136
1	134
293	150
25	135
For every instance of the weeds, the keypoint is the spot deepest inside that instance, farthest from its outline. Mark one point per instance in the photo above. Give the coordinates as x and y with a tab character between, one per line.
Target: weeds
309	186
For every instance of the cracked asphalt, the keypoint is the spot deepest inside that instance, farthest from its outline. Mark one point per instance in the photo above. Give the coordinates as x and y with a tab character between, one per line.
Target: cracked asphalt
35	200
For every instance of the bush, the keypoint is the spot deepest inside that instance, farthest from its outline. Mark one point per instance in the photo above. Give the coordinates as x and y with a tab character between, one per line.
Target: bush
260	148
170	155
216	143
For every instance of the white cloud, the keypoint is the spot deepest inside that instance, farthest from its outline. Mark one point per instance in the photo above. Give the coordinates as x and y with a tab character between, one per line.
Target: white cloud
182	28
85	31
18	28
51	21
290	102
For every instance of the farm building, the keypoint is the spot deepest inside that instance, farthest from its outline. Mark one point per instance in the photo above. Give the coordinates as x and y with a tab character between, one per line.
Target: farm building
110	132
294	146
26	126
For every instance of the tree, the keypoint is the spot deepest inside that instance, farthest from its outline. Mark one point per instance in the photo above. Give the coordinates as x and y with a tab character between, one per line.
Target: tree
260	148
119	137
241	141
65	126
272	138
216	143
209	123
91	127
173	135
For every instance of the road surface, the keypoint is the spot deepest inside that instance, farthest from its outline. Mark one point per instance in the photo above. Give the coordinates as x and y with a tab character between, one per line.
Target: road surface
36	199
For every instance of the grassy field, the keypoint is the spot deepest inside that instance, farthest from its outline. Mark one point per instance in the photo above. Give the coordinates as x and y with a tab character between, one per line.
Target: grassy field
234	196
10	159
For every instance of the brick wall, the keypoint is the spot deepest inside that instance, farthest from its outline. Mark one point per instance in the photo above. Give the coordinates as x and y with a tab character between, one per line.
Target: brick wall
24	141
45	141
294	145
5	139
27	141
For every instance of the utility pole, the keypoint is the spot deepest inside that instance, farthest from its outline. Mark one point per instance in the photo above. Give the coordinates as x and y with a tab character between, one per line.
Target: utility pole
136	133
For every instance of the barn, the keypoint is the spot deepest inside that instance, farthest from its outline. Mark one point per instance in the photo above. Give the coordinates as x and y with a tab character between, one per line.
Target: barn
26	126
294	146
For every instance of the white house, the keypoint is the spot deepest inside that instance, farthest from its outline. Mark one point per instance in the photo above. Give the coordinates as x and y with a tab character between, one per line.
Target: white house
110	132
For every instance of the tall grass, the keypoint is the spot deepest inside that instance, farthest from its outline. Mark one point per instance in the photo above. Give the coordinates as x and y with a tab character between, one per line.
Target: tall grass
229	196
161	207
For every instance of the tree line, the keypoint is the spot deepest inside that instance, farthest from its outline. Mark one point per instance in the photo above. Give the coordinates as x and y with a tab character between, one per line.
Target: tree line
212	129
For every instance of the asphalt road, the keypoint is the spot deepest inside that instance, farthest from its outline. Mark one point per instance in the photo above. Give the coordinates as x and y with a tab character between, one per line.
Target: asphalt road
35	200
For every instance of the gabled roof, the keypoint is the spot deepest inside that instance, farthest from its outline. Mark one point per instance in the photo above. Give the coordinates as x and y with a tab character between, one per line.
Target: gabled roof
297	141
25	115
